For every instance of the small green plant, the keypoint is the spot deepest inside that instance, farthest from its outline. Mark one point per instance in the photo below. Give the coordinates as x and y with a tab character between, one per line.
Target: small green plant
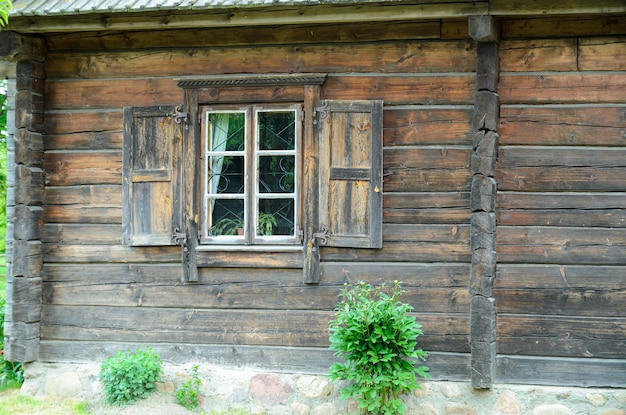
5	9
377	338
189	394
130	376
11	373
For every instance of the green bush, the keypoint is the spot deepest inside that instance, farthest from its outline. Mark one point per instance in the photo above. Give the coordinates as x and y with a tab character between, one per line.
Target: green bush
377	338
130	376
189	394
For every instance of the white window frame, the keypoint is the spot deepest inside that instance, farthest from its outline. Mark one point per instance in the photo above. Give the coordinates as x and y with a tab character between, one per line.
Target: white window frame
252	193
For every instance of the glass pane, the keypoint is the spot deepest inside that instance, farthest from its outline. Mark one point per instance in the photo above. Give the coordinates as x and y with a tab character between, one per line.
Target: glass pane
276	174
226	217
276	217
226	174
226	131
277	130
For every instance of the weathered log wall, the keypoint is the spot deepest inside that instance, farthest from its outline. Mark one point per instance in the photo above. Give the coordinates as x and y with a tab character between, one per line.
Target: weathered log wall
561	206
98	291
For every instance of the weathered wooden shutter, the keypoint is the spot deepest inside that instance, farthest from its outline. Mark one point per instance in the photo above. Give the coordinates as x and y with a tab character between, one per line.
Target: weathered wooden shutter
350	178
151	166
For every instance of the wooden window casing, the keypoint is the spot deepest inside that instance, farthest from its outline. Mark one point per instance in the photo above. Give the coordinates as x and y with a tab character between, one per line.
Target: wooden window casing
339	191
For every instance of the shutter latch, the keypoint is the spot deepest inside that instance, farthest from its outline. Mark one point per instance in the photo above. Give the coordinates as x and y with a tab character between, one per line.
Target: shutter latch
320	238
180	238
322	110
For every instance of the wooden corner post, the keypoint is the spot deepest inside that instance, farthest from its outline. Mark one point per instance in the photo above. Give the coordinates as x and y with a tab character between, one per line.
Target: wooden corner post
485	31
24	246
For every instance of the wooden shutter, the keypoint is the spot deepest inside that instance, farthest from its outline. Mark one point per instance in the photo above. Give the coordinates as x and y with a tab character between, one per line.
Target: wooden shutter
150	182
350	168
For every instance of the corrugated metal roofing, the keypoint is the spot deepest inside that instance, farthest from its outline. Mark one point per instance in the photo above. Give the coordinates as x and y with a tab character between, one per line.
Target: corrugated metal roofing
72	7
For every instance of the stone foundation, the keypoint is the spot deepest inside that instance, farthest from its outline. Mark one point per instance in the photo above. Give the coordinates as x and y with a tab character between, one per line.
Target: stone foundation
262	392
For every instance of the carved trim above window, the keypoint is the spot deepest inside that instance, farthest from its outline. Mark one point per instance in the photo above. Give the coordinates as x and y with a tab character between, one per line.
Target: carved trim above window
253	80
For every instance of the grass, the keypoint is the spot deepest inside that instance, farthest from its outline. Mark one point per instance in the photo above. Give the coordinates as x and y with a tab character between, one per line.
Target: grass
12	403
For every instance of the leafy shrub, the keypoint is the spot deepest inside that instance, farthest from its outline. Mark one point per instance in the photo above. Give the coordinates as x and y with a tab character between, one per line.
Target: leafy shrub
11	373
130	376
374	334
189	394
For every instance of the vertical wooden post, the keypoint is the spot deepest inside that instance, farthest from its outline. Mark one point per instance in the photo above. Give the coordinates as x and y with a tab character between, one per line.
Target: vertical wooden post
484	30
189	187
25	224
310	175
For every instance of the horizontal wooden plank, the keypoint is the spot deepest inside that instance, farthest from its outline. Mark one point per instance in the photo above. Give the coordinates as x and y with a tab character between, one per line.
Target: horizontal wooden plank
427	169
553	245
417	89
562	302
413	276
530	276
83	204
245	36
403	251
602	53
82	234
576	372
561	336
444	366
395	57
563	125
278	328
115	273
250	95
558	7
113	254
425	200
245	259
83	130
582	25
427	126
538	55
229	17
562	209
565	87
111	94
425	233
522	168
83	168
269	295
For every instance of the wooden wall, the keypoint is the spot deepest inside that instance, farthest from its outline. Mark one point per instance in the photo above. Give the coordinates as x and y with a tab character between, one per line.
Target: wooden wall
98	292
561	175
561	203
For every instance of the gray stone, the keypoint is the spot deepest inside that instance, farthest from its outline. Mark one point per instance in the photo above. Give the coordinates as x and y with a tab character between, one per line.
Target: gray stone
425	409
458	409
165	387
620	396
507	403
596	399
552	410
325	409
450	390
425	391
269	388
299	408
314	386
64	385
239	394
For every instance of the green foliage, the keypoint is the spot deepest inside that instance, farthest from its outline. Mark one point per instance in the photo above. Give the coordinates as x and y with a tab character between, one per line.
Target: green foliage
377	338
11	373
5	9
189	394
130	376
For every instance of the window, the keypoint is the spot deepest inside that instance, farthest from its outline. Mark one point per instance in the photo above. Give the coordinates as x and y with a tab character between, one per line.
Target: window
250	174
237	183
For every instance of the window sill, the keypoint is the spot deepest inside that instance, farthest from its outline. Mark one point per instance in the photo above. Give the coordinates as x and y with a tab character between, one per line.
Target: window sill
250	248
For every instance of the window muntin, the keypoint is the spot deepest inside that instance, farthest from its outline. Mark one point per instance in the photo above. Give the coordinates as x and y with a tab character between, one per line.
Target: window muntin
251	173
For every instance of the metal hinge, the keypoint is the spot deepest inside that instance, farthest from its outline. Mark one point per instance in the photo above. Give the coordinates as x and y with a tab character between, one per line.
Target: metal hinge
180	238
180	116
320	238
322	110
